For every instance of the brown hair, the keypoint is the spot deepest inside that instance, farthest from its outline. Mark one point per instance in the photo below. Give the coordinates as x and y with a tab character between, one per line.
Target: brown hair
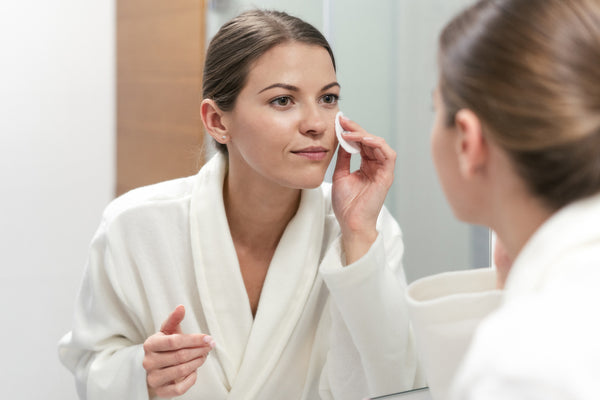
531	71
240	42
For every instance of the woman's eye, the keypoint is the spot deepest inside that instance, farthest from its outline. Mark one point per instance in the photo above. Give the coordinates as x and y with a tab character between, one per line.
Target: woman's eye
281	101
330	98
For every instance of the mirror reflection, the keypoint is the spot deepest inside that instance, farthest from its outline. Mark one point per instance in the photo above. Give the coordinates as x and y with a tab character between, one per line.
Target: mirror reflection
386	69
293	285
386	59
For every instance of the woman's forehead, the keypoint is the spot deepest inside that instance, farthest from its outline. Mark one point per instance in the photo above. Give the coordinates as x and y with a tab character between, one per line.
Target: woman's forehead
292	63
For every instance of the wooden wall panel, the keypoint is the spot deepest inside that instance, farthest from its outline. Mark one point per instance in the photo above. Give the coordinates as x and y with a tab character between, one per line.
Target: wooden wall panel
160	53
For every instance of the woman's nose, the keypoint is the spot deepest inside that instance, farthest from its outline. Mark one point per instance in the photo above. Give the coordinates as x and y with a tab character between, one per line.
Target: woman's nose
313	121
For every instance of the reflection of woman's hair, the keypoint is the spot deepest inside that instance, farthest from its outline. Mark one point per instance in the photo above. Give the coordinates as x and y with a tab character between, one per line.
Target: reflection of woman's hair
531	71
242	41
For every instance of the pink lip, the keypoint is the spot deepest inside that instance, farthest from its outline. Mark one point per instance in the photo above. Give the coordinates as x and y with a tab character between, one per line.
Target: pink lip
312	153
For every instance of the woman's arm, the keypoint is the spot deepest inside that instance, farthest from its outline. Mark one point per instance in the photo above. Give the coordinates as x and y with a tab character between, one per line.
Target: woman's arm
111	349
104	349
371	336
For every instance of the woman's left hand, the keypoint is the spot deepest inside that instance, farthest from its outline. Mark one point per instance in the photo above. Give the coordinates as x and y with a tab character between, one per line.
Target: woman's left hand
358	197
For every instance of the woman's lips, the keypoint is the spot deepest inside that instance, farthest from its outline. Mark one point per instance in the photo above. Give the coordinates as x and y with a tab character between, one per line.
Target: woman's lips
312	153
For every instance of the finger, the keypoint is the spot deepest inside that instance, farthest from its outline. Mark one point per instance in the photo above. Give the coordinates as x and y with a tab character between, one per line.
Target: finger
379	155
349	125
170	358
160	342
342	163
366	140
377	149
177	388
368	150
171	325
176	373
351	131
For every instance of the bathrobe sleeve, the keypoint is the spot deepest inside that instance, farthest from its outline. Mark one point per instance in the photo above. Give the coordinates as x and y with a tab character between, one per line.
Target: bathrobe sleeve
372	350
104	349
445	310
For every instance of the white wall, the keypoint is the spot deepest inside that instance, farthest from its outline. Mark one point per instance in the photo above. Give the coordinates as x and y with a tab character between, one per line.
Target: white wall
56	173
221	11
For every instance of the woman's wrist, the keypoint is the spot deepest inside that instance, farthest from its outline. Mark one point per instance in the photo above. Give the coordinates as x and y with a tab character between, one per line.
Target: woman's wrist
357	244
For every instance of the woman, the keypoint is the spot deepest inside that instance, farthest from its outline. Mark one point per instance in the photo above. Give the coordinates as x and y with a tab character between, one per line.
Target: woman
294	287
516	144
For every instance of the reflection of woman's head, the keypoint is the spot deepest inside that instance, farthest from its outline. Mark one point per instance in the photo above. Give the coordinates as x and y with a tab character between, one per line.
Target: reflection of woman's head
530	70
240	42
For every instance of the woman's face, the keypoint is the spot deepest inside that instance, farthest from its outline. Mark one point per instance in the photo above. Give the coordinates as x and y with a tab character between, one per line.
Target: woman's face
282	125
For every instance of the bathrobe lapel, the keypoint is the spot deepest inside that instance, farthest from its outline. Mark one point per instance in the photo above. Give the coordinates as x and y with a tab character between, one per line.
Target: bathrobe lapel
290	279
220	283
249	350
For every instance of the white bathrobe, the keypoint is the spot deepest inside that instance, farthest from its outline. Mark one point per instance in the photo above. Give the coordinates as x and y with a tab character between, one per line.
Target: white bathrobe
321	330
543	340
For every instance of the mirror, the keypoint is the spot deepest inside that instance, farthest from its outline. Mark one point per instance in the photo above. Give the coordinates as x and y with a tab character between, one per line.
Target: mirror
385	55
58	131
386	64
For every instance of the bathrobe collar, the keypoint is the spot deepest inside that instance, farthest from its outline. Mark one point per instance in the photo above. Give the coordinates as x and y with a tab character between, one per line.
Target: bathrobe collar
249	349
574	225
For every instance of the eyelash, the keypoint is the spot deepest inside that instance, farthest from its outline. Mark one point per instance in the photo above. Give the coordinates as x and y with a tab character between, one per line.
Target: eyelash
274	102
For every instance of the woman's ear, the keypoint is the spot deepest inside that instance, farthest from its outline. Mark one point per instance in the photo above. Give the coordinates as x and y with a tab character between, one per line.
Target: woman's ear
471	146
213	120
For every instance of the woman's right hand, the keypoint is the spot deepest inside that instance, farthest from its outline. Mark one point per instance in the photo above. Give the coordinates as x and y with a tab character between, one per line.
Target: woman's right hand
172	358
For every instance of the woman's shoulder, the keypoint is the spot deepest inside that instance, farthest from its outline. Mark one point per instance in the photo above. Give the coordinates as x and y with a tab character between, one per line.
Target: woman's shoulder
148	197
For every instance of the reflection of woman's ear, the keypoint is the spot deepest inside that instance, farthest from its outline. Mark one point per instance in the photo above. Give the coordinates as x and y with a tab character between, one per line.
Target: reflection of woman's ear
471	146
213	120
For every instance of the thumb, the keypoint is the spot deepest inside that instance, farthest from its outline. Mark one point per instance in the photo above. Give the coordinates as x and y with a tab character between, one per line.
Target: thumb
171	325
342	164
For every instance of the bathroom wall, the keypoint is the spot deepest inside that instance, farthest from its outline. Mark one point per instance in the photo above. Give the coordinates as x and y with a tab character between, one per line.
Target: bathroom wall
56	176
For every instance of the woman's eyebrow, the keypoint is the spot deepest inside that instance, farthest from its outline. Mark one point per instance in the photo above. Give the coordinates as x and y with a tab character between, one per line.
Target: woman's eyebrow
295	88
281	85
332	84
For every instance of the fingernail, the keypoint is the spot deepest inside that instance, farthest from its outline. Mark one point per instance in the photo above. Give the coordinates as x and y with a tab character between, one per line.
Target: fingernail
344	118
213	344
368	138
207	339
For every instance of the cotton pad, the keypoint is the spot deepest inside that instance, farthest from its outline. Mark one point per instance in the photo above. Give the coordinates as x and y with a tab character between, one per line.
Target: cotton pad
350	147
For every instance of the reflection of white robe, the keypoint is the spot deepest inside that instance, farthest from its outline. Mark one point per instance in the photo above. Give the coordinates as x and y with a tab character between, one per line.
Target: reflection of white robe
543	341
321	330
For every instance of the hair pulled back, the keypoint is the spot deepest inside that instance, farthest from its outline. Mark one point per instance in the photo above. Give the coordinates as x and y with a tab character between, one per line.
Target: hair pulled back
530	69
240	42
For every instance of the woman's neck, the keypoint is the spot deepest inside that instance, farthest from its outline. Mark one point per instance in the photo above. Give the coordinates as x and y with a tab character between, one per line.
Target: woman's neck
517	216
514	213
258	212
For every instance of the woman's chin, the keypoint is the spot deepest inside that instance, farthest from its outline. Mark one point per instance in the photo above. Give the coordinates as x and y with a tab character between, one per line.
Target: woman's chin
310	182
